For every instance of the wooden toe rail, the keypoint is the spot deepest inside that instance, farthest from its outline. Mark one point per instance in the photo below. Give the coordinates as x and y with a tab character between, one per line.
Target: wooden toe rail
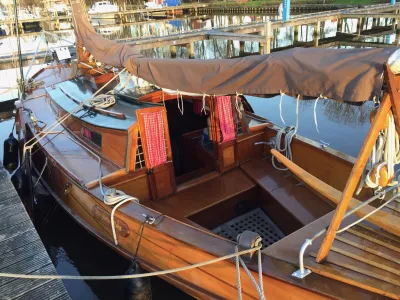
382	219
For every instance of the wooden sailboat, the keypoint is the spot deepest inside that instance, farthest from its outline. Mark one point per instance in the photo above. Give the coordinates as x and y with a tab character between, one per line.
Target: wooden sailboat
196	172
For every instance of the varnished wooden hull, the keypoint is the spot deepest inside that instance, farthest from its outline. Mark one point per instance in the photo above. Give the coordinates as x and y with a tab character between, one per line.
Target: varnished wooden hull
176	239
161	251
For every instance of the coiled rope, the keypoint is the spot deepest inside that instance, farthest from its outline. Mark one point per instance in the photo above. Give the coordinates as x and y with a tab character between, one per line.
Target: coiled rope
112	197
290	132
103	101
386	152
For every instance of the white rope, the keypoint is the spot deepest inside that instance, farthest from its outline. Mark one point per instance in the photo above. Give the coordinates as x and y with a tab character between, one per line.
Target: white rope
385	152
180	101
315	111
259	286
111	197
237	105
130	276
280	108
38	137
203	108
103	101
34	55
290	132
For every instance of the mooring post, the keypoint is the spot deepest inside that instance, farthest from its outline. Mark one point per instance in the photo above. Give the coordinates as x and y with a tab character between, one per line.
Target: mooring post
397	42
286	10
173	51
339	24
317	29
359	26
241	50
374	22
190	47
267	32
296	33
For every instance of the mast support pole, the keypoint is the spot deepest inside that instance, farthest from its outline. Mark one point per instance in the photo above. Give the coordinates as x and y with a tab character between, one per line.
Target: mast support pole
355	176
394	92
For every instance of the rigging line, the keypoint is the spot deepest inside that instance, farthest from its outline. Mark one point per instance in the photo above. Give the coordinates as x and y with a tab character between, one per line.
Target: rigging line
62	119
237	105
280	107
130	276
315	114
204	105
52	138
163	99
179	99
41	173
148	220
34	55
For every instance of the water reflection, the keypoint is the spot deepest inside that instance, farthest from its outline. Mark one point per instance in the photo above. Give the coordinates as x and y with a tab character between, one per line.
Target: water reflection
138	28
343	126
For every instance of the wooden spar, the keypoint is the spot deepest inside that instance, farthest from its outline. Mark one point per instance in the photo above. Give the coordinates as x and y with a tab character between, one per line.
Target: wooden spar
382	219
394	92
355	176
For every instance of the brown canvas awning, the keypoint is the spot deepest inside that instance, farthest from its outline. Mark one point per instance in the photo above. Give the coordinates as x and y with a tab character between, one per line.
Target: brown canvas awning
342	74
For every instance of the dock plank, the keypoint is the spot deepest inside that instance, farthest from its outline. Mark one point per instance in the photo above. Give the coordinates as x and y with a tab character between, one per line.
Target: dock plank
22	251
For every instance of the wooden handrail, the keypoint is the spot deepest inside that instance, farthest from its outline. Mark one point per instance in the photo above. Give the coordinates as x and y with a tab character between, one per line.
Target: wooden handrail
382	219
106	179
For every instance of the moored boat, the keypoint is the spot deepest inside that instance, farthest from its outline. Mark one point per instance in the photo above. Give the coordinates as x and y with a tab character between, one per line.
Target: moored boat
171	176
103	10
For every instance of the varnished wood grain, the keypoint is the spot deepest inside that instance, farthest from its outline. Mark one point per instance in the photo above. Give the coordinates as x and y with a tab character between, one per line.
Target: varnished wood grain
355	176
380	218
393	87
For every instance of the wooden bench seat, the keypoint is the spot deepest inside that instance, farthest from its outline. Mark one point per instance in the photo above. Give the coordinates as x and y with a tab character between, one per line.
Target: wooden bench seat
304	205
214	190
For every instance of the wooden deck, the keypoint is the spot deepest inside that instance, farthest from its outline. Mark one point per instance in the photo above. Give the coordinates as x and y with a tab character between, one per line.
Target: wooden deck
22	251
363	256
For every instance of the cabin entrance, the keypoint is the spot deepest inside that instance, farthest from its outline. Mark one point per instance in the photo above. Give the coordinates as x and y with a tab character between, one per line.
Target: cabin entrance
192	150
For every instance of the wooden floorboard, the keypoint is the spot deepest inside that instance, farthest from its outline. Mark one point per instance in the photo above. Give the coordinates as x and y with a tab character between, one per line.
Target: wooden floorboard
22	251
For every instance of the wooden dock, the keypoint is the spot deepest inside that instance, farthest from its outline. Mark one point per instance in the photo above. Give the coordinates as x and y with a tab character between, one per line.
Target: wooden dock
22	251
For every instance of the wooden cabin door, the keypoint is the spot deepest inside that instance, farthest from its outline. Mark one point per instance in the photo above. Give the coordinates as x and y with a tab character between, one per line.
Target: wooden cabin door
156	146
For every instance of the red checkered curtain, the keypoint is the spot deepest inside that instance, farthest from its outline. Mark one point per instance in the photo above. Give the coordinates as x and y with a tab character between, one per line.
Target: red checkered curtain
155	138
225	117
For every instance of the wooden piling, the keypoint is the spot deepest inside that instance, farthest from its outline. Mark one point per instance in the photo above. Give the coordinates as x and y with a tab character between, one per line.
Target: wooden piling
172	49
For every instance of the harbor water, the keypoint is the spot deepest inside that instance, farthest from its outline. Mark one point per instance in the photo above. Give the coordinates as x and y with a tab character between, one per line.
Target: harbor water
75	252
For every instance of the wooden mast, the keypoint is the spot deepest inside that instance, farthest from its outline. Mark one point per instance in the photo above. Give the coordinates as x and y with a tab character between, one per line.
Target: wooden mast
355	176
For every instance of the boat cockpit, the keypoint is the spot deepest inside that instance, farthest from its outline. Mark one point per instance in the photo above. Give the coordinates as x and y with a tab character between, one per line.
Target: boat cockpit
202	156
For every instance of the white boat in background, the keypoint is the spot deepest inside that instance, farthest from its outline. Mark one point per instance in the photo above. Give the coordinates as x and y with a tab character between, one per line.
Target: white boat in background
60	9
106	31
105	9
152	5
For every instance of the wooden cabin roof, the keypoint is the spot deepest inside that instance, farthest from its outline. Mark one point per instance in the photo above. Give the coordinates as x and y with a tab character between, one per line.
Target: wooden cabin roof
81	89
